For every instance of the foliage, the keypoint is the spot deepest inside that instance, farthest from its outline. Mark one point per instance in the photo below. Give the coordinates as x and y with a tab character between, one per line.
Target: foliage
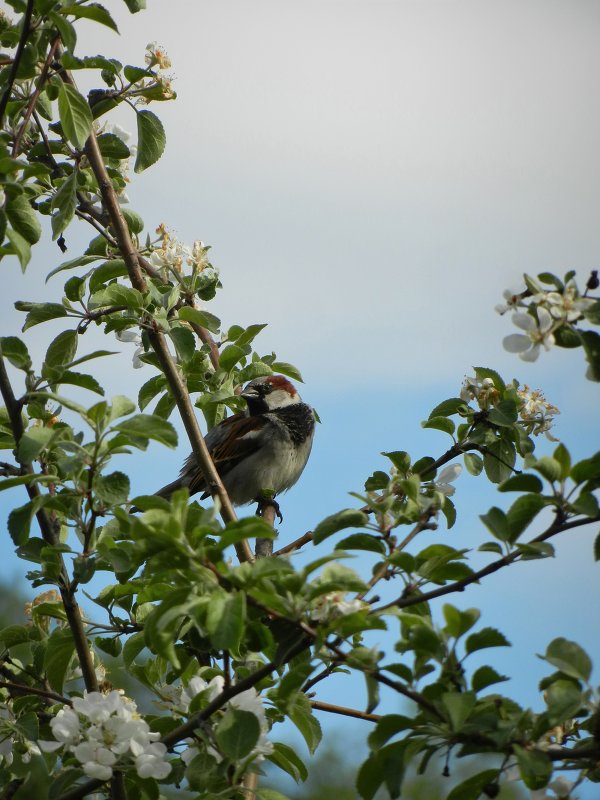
228	649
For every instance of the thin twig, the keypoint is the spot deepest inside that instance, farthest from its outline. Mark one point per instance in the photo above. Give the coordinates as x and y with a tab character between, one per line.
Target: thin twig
23	689
505	561
34	97
25	31
291	548
345	712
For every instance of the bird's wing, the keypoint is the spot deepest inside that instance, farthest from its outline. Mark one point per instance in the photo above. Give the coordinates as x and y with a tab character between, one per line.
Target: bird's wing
232	441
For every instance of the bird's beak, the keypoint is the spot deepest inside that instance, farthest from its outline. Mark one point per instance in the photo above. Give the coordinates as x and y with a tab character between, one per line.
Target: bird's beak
249	394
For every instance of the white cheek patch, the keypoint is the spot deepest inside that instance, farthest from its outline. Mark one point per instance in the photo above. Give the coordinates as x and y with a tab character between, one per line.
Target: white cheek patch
280	398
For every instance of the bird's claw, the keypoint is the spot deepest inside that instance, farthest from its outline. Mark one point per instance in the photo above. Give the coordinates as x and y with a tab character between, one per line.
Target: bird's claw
263	502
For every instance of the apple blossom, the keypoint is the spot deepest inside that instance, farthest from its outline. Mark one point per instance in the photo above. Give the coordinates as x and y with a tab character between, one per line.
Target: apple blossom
538	332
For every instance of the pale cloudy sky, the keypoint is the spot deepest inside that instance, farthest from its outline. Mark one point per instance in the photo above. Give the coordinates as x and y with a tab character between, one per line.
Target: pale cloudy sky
372	174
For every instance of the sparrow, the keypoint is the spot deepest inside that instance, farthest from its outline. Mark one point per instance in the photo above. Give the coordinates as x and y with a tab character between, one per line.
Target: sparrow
264	448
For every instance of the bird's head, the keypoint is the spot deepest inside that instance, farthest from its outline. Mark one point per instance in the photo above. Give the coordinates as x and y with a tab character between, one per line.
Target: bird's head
269	393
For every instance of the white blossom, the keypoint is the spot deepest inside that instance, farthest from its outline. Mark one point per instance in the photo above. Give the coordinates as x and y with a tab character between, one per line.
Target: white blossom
156	56
102	728
483	392
132	336
512	297
333	605
538	333
537	414
447	476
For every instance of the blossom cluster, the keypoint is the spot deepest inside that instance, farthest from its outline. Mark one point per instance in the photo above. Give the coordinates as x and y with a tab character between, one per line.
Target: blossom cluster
101	729
156	56
535	412
171	255
544	313
180	698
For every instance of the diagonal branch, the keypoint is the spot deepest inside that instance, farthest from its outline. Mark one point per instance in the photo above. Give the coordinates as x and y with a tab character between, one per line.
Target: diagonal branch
176	382
25	31
50	532
505	561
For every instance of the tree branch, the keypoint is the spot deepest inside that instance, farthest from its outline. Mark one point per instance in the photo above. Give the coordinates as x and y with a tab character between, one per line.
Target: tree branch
34	97
157	339
25	31
49	530
505	561
345	712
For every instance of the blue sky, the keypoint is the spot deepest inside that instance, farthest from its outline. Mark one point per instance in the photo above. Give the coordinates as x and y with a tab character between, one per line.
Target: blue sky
372	176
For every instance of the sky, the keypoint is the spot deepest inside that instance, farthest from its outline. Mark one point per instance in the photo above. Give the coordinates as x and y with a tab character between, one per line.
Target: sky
371	176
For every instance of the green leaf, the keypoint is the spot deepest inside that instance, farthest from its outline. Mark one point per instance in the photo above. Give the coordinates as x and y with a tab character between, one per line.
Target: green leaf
288	760
459	622
23	218
132	648
237	733
561	454
75	115
301	715
485	676
591	345
202	318
57	657
486	637
522	512
440	424
33	441
151	140
548	467
564	701
149	426
92	11
20	246
504	414
521	483
534	765
230	356
473	463
184	341
112	146
40	312
150	389
287	369
112	489
66	30
459	706
347	518
448	407
16	352
570	658
499	460
497	523
135	5
472	787
115	268
117	295
19	519
225	620
586	470
485	372
597	548
64	204
62	349
80	379
362	541
135	74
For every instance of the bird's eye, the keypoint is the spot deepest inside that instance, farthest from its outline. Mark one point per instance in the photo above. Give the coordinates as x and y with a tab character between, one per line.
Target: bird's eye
266	388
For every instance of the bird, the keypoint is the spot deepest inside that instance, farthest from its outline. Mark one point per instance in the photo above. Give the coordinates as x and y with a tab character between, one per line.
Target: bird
260	451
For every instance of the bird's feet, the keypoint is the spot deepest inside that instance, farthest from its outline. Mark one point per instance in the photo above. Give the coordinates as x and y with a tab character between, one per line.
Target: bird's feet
263	502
